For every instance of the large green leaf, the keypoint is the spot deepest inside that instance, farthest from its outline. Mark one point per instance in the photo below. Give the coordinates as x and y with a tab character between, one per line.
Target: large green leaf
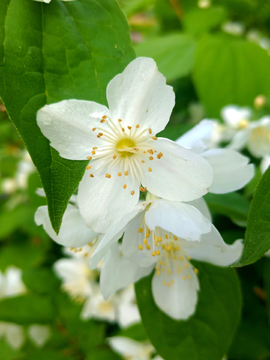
27	309
257	239
174	54
230	71
51	52
205	335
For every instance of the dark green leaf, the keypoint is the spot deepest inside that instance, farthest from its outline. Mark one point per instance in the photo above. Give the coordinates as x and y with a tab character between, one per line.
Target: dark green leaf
230	71
103	354
13	219
205	335
7	352
51	52
233	205
41	280
135	332
27	309
174	54
257	239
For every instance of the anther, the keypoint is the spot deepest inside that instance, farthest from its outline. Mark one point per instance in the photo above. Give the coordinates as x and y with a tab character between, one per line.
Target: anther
153	253
175	237
142	161
148	247
108	176
151	158
140	230
119	120
159	156
137	126
149	169
91	175
102	121
147	235
140	247
157	252
123	129
104	117
145	241
189	276
88	167
172	281
188	257
119	174
196	271
169	284
100	134
160	262
125	186
114	156
132	192
154	137
90	244
184	278
129	127
167	236
186	266
150	131
93	152
89	157
150	151
169	271
177	248
94	129
94	148
164	282
126	173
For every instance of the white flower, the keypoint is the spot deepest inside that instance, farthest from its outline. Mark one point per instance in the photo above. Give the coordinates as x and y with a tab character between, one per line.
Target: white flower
39	334
131	349
122	146
165	235
233	28
128	312
236	117
231	170
265	163
11	285
48	1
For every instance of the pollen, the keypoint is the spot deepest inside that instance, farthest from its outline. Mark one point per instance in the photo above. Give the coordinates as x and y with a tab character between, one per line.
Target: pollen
160	262
181	258
90	244
129	127
175	237
108	176
125	186
104	117
151	158
94	129
153	253
145	241
123	129
148	247
167	236
91	175
196	271
169	271
126	173
150	131
137	126
94	148
151	151
140	247
132	192
169	284
93	152
154	137
188	257
102	121
149	169
172	281
164	282
89	157
159	156
100	134
142	161
88	167
157	252
140	230
119	174
177	248
119	120
147	235
189	276
114	156
184	278
186	266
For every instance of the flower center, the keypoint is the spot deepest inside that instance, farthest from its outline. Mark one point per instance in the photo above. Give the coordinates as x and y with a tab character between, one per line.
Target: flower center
260	134
123	146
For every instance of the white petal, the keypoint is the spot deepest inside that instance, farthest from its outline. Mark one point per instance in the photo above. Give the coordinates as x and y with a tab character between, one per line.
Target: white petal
182	220
179	299
214	250
201	205
199	137
265	163
73	231
239	140
126	346
104	201
39	334
113	234
132	239
180	174
259	140
230	169
140	96
117	272
15	335
233	114
68	125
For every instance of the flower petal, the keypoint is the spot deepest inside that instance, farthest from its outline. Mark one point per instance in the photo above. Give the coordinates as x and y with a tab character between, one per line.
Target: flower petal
230	169
103	201
73	231
180	219
128	347
117	272
214	250
68	125
113	234
239	140
179	175
233	114
198	137
178	299
139	95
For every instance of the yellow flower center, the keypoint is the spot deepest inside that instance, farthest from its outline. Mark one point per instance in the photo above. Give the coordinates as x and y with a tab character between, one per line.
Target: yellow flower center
123	147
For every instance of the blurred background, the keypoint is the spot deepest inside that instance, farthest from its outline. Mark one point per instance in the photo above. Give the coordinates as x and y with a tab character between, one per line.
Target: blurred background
213	53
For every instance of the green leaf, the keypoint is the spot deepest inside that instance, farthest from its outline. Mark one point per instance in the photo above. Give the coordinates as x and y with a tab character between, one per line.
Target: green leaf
229	71
206	334
135	332
173	53
200	21
46	354
13	219
41	280
7	352
233	205
51	52
27	309
103	354
257	239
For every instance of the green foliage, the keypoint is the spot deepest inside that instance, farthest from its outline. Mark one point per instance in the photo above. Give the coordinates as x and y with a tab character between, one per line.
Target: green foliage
62	55
27	309
257	239
173	53
7	352
224	70
206	334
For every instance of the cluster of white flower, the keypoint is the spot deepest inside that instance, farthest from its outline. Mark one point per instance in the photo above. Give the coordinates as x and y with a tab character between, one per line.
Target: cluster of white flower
11	285
126	159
